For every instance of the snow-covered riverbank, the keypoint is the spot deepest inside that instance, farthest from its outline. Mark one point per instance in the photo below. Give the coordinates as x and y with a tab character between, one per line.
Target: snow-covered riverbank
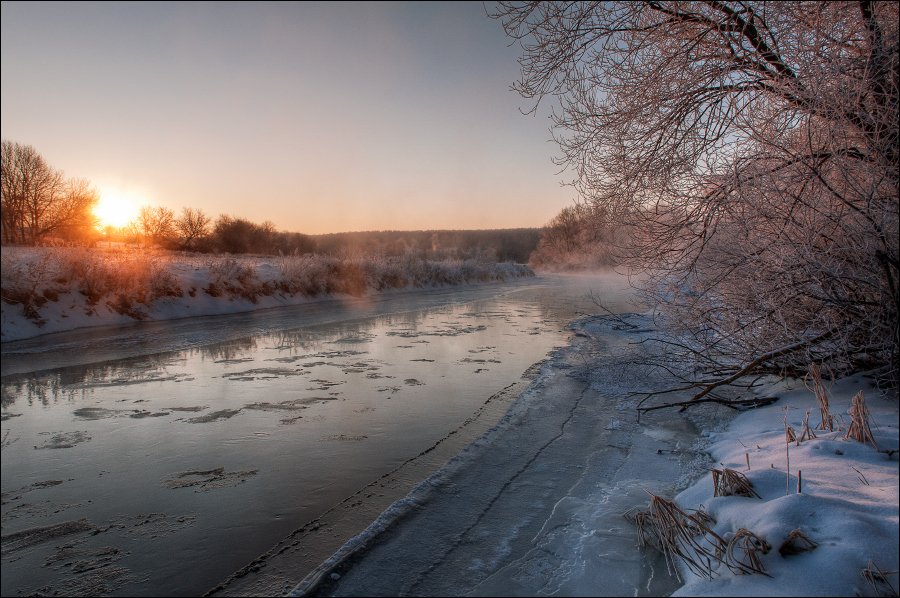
535	507
847	504
48	290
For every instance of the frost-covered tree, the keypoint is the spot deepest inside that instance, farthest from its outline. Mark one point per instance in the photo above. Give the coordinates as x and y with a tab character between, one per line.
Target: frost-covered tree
752	150
580	237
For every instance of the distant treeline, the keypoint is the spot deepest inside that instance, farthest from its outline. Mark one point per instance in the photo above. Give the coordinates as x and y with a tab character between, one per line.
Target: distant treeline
194	231
503	245
228	234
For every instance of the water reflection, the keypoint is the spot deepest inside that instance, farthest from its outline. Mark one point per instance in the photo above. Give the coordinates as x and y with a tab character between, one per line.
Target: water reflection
233	444
334	341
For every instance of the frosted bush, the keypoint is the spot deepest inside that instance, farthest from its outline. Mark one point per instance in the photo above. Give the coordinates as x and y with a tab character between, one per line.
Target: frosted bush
305	274
123	279
130	276
230	271
24	280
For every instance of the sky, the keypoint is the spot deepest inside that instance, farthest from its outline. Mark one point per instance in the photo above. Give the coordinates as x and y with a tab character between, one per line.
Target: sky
317	117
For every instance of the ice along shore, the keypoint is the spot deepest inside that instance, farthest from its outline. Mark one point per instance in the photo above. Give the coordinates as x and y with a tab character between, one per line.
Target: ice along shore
535	506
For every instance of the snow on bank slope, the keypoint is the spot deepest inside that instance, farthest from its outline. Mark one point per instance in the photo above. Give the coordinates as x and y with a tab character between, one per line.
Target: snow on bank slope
57	289
848	504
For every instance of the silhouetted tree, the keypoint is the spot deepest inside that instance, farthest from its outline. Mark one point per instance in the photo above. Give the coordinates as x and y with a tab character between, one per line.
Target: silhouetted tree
37	201
192	226
233	235
157	225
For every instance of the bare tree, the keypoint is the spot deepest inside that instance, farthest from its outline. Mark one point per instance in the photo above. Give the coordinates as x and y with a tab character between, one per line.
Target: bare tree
71	217
156	225
192	226
752	148
579	237
28	186
562	231
37	201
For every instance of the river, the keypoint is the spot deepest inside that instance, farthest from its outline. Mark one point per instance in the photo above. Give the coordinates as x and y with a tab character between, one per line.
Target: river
162	458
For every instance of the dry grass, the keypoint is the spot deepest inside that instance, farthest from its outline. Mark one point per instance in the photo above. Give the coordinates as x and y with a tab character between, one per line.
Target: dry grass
790	435
125	279
814	378
355	275
859	429
879	580
797	542
680	536
807	433
690	539
728	482
743	552
128	279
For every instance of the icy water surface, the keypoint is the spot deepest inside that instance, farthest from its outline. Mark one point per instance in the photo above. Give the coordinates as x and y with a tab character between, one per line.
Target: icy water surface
165	473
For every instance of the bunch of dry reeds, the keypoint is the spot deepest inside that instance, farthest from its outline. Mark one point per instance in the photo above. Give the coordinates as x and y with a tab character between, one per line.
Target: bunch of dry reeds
743	551
818	387
797	542
859	429
728	482
878	580
680	536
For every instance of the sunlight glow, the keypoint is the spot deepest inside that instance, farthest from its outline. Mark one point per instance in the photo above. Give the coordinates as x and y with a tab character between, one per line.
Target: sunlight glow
116	209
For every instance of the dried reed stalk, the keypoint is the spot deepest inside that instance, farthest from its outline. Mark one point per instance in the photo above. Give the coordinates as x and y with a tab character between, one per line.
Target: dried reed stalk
680	536
807	432
743	551
878	579
797	542
818	387
728	482
789	434
789	437
859	421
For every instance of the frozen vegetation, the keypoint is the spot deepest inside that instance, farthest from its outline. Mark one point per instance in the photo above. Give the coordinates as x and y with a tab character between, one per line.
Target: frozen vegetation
48	289
821	517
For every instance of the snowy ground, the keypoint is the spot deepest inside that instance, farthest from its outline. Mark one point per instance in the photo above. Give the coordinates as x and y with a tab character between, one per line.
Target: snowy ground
848	504
535	507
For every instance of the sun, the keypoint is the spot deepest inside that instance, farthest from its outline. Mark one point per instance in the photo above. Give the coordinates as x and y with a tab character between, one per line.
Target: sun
115	210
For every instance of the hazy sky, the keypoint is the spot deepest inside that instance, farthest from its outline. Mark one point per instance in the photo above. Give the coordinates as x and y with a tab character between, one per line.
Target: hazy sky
318	117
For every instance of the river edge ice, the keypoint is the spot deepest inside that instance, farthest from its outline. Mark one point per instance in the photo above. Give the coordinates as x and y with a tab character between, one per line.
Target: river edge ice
539	530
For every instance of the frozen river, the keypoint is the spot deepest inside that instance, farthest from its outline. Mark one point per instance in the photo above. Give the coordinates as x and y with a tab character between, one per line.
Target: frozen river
164	458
